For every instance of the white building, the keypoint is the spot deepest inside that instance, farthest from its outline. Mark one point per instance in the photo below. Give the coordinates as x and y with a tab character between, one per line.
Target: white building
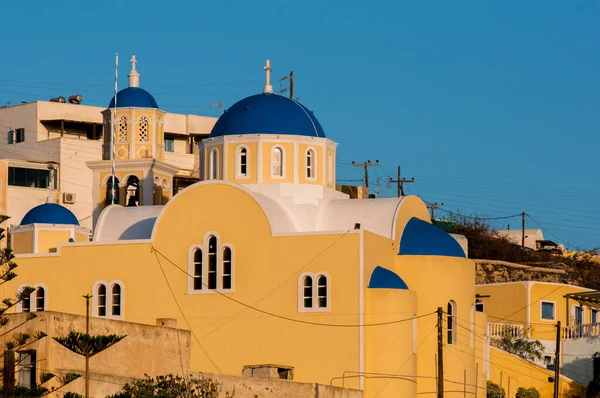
45	146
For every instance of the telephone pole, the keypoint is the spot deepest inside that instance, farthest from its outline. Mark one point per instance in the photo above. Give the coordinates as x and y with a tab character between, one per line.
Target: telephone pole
523	229
434	206
557	360
401	181
291	88
378	192
440	355
366	167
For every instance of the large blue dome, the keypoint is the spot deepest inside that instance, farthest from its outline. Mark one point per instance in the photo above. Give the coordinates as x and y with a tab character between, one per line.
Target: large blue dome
134	97
268	114
50	213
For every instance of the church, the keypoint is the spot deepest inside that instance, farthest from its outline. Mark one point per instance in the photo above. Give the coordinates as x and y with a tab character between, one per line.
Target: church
262	260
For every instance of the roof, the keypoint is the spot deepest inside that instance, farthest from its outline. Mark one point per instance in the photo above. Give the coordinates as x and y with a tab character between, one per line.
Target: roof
421	238
126	223
133	97
268	114
383	278
50	213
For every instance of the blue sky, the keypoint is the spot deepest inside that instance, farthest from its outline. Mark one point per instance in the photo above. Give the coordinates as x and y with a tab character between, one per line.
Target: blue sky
494	107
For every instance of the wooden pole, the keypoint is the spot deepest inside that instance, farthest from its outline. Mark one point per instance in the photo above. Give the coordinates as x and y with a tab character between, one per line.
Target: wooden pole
476	379
557	361
87	354
8	374
440	356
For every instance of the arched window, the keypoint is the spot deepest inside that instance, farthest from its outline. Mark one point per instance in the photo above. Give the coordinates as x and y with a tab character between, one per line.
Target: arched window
310	164
101	291
40	299
198	269
26	303
143	128
133	191
122	128
212	262
226	269
109	190
277	162
322	291
451	322
242	162
307	291
116	300
213	167
330	168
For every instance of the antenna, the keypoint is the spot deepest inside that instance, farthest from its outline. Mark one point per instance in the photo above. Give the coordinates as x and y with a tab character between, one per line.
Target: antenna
219	105
112	136
291	87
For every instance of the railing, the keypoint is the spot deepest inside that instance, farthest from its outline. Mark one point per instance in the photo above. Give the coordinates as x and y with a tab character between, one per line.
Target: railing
579	331
497	330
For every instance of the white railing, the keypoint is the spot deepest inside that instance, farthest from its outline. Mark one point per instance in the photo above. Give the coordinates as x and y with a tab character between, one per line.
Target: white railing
496	330
579	331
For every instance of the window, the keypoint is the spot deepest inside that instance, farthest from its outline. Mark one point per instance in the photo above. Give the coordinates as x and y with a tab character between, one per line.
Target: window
11	136
579	315
213	167
122	128
101	300
594	315
143	128
197	269
26	368
32	178
112	190
20	135
548	310
40	299
330	168
479	306
226	270
242	162
169	144
26	303
311	297
212	262
116	300
277	162
310	164
451	318
133	191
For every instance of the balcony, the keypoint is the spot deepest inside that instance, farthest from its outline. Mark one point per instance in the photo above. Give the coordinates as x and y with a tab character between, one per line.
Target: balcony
580	331
497	330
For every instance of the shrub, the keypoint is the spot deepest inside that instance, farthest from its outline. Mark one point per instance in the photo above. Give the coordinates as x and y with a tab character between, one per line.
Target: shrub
530	350
173	387
495	391
523	392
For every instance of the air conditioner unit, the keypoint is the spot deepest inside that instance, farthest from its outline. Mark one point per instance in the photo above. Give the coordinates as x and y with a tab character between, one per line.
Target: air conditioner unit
68	197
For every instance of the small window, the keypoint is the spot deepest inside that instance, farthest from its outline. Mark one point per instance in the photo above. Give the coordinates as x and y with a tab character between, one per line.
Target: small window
243	162
116	300
112	191
122	128
310	164
226	271
144	128
11	136
213	167
547	310
308	292
277	162
101	300
40	299
479	307
26	364
20	135
322	291
26	303
169	144
451	318
198	269
212	262
594	315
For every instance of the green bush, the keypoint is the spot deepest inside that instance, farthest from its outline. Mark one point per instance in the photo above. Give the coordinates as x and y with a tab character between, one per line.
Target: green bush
593	390
523	392
172	386
495	391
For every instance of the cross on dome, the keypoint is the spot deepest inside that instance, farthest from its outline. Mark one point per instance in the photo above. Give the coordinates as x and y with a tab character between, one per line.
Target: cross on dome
134	76
133	62
268	87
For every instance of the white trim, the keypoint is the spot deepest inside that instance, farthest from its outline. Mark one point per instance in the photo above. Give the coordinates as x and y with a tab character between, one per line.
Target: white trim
528	304
315	292
223	167
219	270
324	166
238	162
296	168
222	246
190	278
283	162
213	156
454	330
313	168
108	299
259	162
553	310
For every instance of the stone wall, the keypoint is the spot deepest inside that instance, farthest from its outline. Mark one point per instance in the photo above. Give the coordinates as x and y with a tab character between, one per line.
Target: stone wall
495	271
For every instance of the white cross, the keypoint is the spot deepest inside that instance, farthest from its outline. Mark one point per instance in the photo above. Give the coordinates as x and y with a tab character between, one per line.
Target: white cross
267	68
133	62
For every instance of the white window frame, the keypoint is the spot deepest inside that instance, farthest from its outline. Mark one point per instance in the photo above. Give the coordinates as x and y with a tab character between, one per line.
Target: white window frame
109	299
592	312
192	266
238	162
313	166
204	247
315	292
454	314
283	161
220	268
213	164
329	167
33	298
553	310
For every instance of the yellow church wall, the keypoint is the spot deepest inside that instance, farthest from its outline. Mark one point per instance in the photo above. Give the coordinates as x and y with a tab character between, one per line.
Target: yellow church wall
252	163
438	280
122	177
81	237
507	302
386	352
47	239
288	161
330	168
302	151
22	242
525	374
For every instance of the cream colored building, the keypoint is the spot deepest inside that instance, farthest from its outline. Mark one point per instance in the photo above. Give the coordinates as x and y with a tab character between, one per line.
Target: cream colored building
46	145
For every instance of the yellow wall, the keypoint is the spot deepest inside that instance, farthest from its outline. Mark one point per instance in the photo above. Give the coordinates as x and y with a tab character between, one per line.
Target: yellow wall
22	242
251	167
507	302
47	239
81	237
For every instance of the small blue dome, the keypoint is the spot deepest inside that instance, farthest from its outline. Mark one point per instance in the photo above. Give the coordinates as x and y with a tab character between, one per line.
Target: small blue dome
134	97
383	278
421	238
268	114
50	213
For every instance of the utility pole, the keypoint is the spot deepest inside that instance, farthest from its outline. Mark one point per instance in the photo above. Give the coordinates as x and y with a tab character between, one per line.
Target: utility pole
87	298
434	206
291	88
378	192
440	355
366	167
8	373
557	360
523	229
401	181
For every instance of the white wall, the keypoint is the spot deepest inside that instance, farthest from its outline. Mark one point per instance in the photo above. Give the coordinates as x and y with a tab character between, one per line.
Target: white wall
577	359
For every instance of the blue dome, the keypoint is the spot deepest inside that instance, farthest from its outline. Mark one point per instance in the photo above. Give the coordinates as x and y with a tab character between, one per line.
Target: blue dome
268	114
50	213
421	238
134	97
